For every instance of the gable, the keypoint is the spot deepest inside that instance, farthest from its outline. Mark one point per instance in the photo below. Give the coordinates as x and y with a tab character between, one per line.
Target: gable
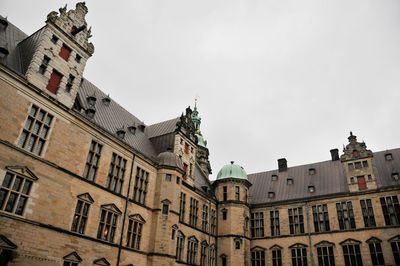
5	243
137	217
111	207
101	261
72	257
86	197
22	170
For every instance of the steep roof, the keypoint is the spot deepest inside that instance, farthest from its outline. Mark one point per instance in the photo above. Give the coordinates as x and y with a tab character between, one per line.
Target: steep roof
162	128
113	117
329	178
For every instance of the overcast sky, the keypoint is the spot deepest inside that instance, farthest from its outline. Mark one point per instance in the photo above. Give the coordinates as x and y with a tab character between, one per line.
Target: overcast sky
275	78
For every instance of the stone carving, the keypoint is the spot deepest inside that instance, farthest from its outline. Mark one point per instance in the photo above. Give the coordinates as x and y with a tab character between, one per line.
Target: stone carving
355	150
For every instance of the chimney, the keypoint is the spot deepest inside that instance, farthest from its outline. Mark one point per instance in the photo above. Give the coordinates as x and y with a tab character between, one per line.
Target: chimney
282	164
335	154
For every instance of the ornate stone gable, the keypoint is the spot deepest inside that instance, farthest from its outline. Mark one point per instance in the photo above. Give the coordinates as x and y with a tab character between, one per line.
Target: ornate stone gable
355	150
73	23
186	125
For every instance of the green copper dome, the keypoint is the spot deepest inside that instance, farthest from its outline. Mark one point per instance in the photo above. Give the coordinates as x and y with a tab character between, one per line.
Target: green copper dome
232	171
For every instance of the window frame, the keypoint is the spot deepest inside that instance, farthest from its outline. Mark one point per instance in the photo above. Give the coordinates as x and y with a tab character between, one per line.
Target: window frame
80	219
391	209
140	186
109	209
321	211
92	164
296	221
274	223
134	231
346	221
116	173
368	213
44	120
257	224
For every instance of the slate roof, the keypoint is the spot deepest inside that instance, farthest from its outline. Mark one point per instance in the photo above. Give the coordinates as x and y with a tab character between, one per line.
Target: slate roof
162	128
329	178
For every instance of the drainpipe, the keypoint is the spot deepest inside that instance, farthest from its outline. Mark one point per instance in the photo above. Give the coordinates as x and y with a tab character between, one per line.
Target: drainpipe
309	233
125	211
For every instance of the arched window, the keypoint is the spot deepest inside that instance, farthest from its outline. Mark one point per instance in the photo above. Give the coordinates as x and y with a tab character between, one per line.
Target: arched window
352	252
258	256
135	227
192	250
325	253
180	245
203	253
298	253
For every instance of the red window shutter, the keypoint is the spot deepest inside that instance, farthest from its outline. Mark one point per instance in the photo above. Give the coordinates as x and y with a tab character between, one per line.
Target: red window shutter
64	52
54	82
361	183
186	148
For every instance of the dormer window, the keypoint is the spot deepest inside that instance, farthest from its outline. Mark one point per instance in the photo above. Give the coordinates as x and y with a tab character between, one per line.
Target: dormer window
54	39
121	133
132	129
311	189
289	181
54	81
274	177
90	112
65	52
70	82
91	100
73	29
78	58
352	179
395	176
388	156
357	165
365	164
44	65
271	194
311	171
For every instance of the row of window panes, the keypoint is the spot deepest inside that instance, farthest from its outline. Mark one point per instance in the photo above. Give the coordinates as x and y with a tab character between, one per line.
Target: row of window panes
345	215
358	165
325	255
192	247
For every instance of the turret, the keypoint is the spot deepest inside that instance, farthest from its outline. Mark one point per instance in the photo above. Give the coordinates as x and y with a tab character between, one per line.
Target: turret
231	189
357	161
55	56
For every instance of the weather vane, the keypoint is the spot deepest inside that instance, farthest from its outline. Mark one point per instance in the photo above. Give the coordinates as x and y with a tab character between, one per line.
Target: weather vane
195	99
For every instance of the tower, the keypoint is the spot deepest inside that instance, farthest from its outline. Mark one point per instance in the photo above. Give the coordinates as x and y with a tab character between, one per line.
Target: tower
55	56
357	162
231	189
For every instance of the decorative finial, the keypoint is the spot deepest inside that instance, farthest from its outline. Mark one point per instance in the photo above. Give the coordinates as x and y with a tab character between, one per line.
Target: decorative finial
351	133
232	162
195	99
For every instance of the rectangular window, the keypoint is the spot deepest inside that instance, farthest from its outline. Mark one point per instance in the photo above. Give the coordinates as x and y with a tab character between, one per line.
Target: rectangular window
204	224
14	193
168	177
54	39
78	58
180	242
365	164
134	234
92	161
345	215
182	207
258	258
140	187
391	210
107	225
257	224
299	256
321	218
44	65
194	207
213	221
36	129
368	213
70	263
237	193
191	251
185	166
396	251
352	255
224	214
351	166
276	257
357	165
376	254
203	254
65	52
54	81
186	148
116	173
361	182
325	256
165	208
296	221
80	217
212	256
275	227
225	193
70	82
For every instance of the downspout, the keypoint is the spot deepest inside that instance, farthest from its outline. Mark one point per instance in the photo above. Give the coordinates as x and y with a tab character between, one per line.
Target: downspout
209	232
125	211
309	233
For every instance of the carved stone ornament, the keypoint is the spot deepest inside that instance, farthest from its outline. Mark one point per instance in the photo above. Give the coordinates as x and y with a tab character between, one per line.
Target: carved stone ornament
355	150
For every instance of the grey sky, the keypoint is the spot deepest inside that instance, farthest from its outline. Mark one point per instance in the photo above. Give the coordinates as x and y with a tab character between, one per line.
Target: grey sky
275	78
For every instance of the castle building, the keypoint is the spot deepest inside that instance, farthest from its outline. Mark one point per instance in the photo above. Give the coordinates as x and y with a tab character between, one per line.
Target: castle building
85	182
